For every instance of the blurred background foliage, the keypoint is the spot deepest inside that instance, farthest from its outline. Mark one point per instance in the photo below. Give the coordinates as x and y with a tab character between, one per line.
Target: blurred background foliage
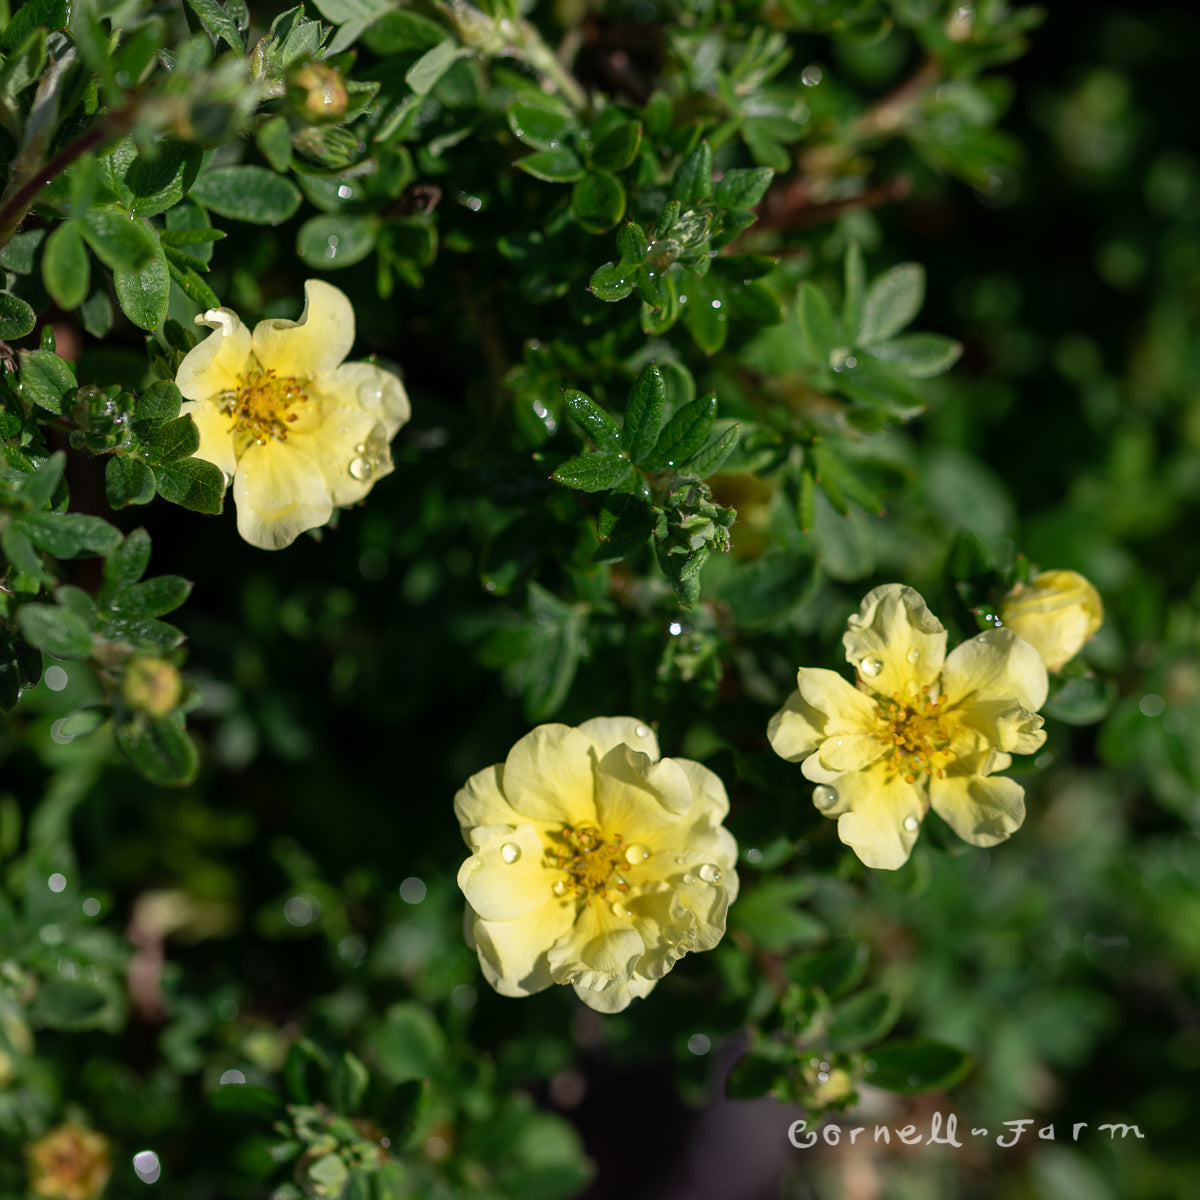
254	982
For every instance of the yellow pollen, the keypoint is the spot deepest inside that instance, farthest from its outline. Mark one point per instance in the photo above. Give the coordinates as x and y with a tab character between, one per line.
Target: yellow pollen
590	862
261	407
917	732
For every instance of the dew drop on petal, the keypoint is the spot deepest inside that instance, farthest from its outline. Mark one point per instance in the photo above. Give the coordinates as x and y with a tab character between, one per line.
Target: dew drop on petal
619	910
360	468
913	656
871	667
560	887
641	731
476	863
680	859
637	853
710	873
911	824
510	852
689	878
824	796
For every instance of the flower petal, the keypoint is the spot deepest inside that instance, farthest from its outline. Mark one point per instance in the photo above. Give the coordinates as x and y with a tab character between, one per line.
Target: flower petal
216	434
617	997
500	890
981	809
480	801
894	642
851	751
709	798
845	708
513	954
601	949
350	447
316	343
994	665
635	795
218	363
280	492
1005	725
607	732
549	776
880	816
373	390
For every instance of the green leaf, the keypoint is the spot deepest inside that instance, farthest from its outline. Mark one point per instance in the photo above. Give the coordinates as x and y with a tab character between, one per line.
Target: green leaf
542	126
916	1066
707	460
333	241
742	187
863	1019
161	401
623	526
768	915
841	482
348	1084
892	301
47	14
143	294
46	379
684	434
151	598
121	241
591	419
174	439
128	480
38	488
395	32
692	181
618	147
598	201
816	323
68	1004
160	749
126	564
70	535
594	472
251	194
16	317
643	413
834	968
274	141
853	289
66	271
560	165
161	182
19	550
611	282
55	630
191	482
220	25
705	312
769	588
919	355
181	270
431	66
246	1100
410	1044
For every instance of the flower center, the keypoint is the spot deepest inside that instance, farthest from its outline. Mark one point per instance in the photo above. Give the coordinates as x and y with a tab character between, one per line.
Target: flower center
918	735
261	407
590	862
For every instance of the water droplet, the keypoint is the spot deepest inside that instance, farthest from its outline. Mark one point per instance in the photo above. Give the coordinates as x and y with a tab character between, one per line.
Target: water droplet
510	852
369	395
689	878
619	910
331	246
913	656
824	796
641	731
911	824
871	667
560	888
344	192
360	468
637	853
710	873
476	863
811	75
680	859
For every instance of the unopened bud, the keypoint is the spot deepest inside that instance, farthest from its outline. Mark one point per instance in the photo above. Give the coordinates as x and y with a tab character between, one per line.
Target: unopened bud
317	92
1056	613
151	685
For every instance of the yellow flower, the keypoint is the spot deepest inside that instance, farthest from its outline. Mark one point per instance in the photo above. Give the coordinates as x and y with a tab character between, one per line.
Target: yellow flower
594	862
70	1163
920	729
298	431
1056	612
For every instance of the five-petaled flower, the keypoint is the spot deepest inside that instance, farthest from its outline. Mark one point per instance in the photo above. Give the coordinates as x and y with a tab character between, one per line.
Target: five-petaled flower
922	728
1056	612
298	431
594	862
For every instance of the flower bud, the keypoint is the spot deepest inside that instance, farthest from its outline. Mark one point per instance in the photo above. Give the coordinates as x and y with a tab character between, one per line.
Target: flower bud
151	685
317	92
70	1163
1056	613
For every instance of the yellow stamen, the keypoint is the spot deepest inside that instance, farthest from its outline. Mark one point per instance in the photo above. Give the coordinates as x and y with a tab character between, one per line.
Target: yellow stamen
261	406
590	862
918	735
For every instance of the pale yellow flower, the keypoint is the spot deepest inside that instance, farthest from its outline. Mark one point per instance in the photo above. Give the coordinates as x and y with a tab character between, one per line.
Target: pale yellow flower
920	729
594	862
70	1163
297	430
1056	613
